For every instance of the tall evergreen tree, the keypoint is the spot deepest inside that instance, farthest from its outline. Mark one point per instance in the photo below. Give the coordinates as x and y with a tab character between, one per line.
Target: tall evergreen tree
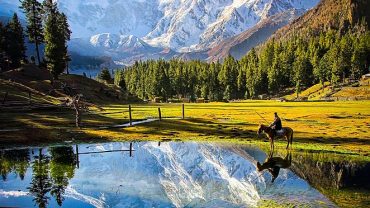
33	11
105	75
64	29
274	71
56	36
321	71
302	70
252	75
14	42
2	47
228	77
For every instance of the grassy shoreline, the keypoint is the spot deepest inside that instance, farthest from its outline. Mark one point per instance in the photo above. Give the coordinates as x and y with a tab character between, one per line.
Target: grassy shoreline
341	127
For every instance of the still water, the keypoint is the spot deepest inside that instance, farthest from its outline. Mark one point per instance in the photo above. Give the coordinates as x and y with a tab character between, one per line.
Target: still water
151	174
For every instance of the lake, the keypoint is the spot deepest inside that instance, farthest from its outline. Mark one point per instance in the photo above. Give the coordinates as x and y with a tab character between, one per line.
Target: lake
172	174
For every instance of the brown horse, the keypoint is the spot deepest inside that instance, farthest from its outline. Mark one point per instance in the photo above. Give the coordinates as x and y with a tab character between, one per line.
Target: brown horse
288	134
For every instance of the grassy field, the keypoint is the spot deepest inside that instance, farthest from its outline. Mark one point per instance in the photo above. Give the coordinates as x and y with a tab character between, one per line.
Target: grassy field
331	126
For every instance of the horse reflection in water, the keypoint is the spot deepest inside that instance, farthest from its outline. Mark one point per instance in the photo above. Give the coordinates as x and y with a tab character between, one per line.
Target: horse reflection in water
273	164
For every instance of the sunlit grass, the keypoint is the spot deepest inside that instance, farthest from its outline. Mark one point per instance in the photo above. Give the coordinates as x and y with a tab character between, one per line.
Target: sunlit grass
348	197
333	126
316	92
353	91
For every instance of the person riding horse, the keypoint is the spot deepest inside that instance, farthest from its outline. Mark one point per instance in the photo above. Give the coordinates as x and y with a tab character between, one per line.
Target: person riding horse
276	125
276	130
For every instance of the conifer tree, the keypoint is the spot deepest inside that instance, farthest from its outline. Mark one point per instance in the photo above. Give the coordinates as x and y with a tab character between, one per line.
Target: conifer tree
274	71
252	76
56	36
14	42
105	75
336	64
358	59
228	77
321	71
2	47
66	32
33	11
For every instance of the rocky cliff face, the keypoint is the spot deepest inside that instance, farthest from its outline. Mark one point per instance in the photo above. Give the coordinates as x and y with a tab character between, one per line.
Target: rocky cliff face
332	174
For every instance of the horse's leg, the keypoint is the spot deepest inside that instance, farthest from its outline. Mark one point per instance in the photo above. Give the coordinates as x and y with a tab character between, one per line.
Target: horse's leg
291	140
270	145
271	152
287	139
271	141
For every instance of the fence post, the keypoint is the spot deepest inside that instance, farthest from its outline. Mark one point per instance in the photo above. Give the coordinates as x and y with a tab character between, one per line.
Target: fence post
130	149
5	96
130	117
183	111
159	114
77	157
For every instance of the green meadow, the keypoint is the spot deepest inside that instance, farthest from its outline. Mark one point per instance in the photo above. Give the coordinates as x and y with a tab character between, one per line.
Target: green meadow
331	126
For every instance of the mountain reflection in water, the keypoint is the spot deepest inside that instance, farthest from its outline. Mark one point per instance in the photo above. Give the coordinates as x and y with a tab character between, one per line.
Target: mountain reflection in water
172	174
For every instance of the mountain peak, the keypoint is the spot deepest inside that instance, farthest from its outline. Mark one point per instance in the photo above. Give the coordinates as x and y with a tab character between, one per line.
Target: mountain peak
115	41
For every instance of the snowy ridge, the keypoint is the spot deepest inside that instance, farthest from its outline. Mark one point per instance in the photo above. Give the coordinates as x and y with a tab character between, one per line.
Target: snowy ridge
98	203
112	41
195	25
182	25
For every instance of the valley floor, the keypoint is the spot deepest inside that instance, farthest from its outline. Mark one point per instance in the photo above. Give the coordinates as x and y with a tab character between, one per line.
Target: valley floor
331	126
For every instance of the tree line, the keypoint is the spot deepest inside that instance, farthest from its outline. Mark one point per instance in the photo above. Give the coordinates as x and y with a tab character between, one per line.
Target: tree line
298	62
45	25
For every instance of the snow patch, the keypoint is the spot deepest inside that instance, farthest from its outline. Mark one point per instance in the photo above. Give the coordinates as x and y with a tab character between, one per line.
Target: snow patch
8	194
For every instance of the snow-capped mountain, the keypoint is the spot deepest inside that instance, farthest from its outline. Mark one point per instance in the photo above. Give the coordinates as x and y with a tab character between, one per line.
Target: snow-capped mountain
179	25
239	45
197	24
118	43
121	48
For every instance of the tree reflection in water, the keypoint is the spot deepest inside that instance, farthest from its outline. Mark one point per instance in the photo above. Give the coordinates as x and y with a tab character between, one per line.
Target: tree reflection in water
14	161
40	184
52	174
62	169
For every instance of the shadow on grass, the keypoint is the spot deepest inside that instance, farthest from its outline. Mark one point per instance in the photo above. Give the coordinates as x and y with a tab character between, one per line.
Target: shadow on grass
58	126
196	127
43	126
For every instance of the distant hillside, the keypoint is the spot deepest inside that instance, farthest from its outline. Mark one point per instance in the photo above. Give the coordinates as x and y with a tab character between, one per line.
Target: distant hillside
30	78
239	45
328	14
354	91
